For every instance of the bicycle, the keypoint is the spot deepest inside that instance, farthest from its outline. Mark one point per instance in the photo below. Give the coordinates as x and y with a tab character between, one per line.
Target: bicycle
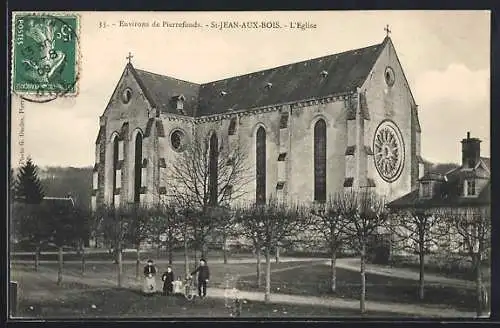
186	288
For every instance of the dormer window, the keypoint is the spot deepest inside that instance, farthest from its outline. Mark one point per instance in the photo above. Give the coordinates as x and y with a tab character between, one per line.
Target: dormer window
470	187
179	103
426	189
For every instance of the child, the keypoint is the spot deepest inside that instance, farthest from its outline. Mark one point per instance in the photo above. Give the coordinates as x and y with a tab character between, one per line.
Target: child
168	280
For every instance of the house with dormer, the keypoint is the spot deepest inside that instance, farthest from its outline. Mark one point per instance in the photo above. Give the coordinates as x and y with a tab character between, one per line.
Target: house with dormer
465	188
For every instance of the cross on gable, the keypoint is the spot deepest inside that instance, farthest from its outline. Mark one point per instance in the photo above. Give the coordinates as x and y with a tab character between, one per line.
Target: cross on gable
387	30
129	57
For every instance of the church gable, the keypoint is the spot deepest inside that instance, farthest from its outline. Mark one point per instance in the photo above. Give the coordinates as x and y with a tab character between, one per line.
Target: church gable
130	98
388	72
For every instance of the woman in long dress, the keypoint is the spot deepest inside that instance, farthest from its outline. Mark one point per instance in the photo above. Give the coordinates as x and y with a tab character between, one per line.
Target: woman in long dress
149	287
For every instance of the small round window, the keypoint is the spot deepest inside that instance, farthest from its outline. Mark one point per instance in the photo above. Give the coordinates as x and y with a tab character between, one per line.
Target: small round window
177	140
389	76
126	95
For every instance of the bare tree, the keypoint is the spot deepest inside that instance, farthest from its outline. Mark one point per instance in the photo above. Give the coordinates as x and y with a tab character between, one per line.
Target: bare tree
138	230
473	226
166	221
206	179
269	224
114	226
416	230
226	227
329	224
364	215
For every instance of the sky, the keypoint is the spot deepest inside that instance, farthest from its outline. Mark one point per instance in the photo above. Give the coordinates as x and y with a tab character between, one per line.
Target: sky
445	56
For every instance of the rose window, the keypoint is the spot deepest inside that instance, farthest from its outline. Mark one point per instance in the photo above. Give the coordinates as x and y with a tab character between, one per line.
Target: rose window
388	151
177	140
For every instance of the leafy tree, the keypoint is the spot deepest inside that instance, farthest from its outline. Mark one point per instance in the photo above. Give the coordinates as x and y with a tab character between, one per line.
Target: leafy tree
28	188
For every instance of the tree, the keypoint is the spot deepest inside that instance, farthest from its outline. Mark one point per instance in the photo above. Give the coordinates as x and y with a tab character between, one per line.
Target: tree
166	221
226	228
416	230
66	227
28	188
85	224
114	226
138	229
364	215
473	226
27	217
205	178
269	224
330	226
31	224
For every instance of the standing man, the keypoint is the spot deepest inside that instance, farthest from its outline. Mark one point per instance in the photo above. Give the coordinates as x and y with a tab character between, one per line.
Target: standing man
203	276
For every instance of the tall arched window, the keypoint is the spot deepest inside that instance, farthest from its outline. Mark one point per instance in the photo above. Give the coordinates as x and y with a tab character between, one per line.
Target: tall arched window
320	161
260	162
138	168
115	168
213	169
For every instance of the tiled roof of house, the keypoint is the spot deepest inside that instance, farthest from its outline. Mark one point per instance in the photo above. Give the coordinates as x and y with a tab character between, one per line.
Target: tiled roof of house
310	79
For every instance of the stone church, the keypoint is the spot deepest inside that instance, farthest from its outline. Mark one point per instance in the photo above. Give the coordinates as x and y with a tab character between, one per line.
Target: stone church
311	128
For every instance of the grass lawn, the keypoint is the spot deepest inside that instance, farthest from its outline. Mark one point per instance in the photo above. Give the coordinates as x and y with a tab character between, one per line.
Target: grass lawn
40	297
451	267
314	280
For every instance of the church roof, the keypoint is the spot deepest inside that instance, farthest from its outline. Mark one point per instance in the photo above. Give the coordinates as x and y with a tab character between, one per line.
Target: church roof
309	79
162	89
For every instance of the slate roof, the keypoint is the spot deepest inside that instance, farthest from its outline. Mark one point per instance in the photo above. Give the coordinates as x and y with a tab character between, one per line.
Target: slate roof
443	197
293	82
447	192
162	89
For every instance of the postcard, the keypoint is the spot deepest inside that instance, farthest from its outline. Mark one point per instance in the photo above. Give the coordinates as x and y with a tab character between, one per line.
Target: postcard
250	164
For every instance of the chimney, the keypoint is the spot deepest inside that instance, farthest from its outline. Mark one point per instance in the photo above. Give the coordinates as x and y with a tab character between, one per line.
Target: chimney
471	151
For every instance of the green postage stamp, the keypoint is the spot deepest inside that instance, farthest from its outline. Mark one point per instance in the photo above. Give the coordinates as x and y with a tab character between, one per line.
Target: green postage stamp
45	54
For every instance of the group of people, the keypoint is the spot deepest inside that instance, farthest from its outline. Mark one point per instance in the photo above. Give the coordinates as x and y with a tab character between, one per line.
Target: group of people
168	279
